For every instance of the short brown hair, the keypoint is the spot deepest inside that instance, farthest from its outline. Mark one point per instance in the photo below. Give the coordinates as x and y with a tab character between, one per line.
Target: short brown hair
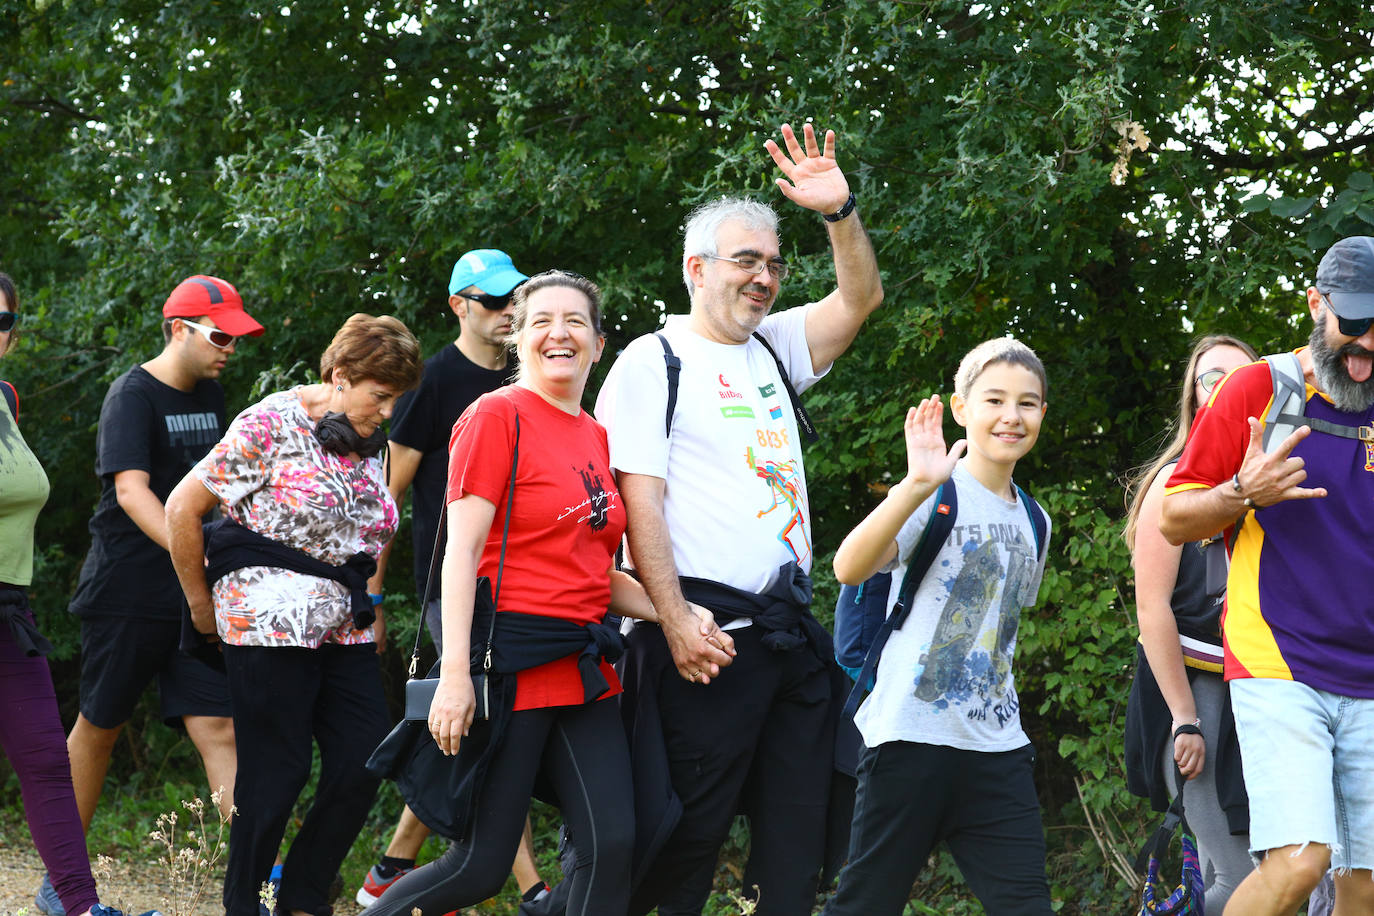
376	347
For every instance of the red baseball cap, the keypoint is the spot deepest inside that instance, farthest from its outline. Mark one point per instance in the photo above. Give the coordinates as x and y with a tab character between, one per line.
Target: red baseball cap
212	298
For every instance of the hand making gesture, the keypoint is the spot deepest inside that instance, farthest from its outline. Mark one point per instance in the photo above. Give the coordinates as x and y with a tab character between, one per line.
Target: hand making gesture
1274	477
928	464
814	180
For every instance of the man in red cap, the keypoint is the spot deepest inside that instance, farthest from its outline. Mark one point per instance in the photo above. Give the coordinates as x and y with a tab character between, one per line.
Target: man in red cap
157	421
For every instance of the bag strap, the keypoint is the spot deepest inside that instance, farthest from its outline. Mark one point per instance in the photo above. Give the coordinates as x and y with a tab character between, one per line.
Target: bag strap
804	423
1037	520
674	370
500	566
933	536
1288	407
1158	845
12	399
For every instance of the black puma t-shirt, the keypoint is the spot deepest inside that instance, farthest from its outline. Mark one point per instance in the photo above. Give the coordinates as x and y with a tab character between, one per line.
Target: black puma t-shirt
145	425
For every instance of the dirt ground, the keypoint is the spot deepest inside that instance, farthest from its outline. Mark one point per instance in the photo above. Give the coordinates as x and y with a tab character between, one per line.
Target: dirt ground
132	886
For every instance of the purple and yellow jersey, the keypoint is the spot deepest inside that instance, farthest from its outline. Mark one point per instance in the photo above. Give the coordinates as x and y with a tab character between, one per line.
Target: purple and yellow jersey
1300	597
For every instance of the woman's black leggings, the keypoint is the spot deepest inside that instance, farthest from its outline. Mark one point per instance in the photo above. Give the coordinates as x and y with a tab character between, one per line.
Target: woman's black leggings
584	757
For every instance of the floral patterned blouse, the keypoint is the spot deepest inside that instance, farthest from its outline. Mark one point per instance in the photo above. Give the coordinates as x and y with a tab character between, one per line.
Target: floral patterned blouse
272	476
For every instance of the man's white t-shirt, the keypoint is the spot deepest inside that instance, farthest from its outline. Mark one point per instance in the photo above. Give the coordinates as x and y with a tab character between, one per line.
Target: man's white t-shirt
735	496
945	677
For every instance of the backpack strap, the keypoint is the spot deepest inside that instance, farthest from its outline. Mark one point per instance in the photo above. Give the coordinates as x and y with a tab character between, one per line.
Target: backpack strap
674	370
937	529
1288	407
808	429
12	399
1037	520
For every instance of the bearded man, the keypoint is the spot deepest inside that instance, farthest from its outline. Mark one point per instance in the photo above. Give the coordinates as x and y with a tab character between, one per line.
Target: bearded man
1299	619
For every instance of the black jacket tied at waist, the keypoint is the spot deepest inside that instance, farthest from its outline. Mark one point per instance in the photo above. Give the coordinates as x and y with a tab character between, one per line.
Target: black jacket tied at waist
783	611
523	641
443	791
230	546
783	608
14	611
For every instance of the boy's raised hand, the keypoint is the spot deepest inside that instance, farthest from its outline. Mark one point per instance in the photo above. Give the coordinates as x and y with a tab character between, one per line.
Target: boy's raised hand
927	461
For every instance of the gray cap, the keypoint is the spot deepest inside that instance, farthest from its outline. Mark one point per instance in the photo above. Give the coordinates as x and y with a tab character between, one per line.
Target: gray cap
1346	276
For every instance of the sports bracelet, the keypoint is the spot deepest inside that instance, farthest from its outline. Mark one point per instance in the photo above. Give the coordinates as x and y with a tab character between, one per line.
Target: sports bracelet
841	213
1247	501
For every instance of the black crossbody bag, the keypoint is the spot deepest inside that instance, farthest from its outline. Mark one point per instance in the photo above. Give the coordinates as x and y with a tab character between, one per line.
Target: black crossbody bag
420	691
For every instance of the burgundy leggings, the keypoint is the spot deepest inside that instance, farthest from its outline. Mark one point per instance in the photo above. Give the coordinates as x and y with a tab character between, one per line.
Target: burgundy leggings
31	736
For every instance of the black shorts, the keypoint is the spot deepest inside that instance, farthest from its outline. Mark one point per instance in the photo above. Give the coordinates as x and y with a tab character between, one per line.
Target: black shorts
120	655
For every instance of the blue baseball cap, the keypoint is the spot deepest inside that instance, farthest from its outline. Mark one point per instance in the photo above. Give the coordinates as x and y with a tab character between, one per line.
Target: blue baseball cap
488	269
1346	276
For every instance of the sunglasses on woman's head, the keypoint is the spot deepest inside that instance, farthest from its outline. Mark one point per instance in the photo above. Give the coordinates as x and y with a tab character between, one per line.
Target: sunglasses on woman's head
7	320
217	338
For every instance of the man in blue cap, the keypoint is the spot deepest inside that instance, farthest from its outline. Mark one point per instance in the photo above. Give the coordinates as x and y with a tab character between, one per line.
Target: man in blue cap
1290	477
477	362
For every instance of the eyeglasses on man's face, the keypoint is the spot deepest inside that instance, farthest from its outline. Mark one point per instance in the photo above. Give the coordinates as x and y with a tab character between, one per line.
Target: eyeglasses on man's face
752	265
222	339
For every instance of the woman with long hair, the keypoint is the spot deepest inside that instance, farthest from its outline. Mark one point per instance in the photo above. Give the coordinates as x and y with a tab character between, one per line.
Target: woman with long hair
1179	713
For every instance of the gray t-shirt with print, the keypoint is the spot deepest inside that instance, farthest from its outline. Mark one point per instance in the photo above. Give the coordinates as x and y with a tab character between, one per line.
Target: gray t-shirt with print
945	677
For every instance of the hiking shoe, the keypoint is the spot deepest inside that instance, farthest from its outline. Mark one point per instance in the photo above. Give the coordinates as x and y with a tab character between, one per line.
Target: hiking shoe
101	909
377	882
47	901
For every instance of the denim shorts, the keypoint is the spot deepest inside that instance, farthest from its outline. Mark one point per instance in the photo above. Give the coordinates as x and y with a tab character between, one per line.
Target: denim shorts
1308	766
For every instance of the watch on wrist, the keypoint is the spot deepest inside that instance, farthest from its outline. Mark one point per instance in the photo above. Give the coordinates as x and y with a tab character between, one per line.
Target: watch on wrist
841	213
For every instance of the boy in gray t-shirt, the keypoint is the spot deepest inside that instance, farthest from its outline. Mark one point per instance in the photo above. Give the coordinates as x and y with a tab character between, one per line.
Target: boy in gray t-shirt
945	757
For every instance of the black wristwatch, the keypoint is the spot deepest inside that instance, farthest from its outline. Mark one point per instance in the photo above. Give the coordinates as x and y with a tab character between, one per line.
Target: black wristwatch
841	213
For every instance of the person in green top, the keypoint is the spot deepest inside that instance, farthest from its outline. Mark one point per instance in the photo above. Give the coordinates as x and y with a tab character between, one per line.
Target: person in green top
30	727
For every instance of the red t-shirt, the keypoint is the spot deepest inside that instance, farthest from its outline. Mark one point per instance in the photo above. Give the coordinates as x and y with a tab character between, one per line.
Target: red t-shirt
564	527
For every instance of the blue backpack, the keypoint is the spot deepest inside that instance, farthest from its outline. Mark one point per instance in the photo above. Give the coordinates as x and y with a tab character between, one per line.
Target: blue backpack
862	623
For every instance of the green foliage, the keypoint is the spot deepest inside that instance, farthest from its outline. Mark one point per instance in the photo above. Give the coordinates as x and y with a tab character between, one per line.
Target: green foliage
1102	178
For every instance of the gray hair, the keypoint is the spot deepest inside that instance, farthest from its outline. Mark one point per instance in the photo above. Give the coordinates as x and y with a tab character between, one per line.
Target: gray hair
705	221
998	350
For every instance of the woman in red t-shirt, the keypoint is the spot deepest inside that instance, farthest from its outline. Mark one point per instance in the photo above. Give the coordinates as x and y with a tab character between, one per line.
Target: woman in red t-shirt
565	521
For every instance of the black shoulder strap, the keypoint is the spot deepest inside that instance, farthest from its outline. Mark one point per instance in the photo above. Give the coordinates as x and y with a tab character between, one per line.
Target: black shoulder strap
933	537
500	565
674	370
1037	520
12	399
804	423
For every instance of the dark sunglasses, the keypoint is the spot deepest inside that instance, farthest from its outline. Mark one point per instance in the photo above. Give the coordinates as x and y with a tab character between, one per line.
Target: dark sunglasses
1350	327
7	321
495	303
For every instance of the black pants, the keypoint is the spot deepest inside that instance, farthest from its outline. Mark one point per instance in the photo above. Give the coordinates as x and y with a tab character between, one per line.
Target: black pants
282	698
982	805
754	741
583	755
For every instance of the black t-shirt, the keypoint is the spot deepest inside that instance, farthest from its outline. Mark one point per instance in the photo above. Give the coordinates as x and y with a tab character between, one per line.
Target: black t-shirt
424	421
144	426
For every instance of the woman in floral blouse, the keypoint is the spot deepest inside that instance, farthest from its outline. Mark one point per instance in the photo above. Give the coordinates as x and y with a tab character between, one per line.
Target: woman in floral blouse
282	582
